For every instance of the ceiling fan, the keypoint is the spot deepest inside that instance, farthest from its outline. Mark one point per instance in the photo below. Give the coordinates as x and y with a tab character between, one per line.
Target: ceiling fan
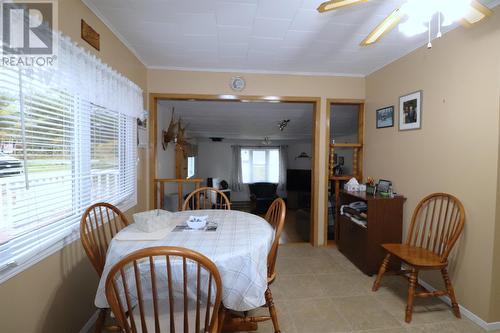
419	15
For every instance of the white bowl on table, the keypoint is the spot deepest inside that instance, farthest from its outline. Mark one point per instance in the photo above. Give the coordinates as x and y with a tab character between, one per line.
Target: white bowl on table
197	222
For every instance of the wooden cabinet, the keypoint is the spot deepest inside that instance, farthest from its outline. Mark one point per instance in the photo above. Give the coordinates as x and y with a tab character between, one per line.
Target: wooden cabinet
384	224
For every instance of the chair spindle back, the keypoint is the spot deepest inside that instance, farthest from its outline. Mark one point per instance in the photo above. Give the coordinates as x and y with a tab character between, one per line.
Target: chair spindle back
98	225
206	198
437	223
165	289
276	217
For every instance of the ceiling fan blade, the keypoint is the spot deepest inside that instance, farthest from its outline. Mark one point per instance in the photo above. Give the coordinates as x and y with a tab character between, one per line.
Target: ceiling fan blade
336	4
384	27
476	14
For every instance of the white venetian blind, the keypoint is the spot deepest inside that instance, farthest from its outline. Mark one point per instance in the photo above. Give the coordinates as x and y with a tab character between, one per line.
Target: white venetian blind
67	140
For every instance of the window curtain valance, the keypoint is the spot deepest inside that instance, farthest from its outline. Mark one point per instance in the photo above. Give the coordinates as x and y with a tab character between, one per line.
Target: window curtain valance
82	74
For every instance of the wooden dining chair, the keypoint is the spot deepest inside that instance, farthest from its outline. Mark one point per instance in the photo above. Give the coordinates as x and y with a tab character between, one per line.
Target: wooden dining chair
165	289
99	223
275	216
206	198
436	225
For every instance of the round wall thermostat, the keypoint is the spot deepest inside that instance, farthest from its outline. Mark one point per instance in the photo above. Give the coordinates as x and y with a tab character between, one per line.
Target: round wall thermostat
237	83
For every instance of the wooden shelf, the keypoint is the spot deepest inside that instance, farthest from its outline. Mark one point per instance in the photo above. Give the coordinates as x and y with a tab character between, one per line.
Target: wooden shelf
347	177
346	145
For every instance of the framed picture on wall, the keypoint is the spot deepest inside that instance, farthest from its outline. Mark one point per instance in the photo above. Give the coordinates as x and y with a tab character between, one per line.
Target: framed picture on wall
385	117
410	111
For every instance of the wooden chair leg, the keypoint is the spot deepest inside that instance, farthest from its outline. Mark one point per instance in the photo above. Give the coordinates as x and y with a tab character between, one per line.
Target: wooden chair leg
221	317
381	271
101	318
272	310
411	294
451	292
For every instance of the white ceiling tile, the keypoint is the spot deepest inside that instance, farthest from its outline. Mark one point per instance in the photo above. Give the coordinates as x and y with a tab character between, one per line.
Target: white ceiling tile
270	28
233	50
252	120
233	34
308	20
243	1
276	35
199	42
230	61
198	24
193	6
265	44
310	4
283	9
235	13
299	38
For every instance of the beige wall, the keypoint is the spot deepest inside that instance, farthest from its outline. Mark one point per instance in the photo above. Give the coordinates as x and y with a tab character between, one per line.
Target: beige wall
56	295
166	81
495	297
456	150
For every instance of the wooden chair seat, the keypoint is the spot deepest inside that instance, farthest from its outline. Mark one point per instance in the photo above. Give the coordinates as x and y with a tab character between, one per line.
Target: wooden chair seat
415	256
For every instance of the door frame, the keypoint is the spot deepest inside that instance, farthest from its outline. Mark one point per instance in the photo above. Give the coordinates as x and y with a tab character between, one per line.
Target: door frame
361	139
316	101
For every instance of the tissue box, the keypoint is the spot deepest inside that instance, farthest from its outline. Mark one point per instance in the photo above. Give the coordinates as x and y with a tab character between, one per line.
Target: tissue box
152	220
351	187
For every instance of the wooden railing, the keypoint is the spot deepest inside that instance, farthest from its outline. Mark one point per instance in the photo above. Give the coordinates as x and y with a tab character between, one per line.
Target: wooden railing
160	186
357	149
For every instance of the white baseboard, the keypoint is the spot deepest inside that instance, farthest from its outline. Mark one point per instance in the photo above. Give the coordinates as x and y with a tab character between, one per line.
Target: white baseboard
464	311
88	325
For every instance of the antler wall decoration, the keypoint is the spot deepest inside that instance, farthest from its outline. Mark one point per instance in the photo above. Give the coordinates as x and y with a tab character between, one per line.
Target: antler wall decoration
174	133
169	134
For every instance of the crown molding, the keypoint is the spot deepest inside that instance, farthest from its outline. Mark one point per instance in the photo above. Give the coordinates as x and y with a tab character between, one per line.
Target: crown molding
254	71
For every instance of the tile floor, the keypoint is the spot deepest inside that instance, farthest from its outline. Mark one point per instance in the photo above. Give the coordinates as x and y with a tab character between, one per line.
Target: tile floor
319	291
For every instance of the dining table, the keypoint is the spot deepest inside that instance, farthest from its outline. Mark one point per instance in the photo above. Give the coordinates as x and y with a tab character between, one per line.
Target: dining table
237	242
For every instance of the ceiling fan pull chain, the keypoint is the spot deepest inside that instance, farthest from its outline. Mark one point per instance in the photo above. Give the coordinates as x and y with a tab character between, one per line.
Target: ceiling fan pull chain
439	34
429	44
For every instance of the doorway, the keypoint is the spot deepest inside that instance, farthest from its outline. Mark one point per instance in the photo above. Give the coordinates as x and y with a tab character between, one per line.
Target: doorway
345	154
210	144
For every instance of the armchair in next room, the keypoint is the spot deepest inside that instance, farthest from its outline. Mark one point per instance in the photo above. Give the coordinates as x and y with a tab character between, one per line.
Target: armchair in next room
262	195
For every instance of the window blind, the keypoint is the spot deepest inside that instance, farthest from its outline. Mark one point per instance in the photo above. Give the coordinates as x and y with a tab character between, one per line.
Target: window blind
63	147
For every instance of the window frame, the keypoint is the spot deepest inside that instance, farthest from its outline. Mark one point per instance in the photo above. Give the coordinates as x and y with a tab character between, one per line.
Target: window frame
193	163
267	151
26	249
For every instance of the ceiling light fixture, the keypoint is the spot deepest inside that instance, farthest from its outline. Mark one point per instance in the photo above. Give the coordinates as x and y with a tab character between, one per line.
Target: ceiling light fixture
331	5
266	141
418	16
282	124
384	27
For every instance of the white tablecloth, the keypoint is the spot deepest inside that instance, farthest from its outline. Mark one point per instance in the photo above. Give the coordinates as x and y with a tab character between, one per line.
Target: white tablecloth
239	248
